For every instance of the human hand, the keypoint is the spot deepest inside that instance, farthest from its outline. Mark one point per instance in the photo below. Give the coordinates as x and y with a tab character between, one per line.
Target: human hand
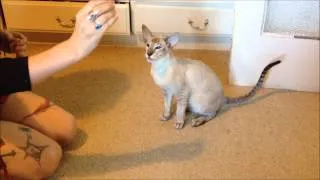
91	23
13	42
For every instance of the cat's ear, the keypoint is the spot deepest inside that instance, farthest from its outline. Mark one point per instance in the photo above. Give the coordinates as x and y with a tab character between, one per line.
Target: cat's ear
172	40
146	33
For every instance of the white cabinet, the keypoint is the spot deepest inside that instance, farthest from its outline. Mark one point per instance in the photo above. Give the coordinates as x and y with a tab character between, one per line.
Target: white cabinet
54	16
188	18
202	24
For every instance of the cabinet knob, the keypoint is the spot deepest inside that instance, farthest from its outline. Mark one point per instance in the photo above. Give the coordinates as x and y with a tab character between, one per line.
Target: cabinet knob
66	24
202	28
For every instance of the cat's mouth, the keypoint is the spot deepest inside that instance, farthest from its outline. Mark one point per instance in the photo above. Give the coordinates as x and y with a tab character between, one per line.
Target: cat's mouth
149	59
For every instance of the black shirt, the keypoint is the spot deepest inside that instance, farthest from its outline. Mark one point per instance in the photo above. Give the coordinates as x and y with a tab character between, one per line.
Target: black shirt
14	75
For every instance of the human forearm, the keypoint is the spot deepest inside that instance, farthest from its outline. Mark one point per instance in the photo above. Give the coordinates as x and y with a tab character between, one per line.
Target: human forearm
82	42
46	63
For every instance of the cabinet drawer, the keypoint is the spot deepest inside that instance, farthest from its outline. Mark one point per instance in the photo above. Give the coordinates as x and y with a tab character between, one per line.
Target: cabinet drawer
186	20
42	16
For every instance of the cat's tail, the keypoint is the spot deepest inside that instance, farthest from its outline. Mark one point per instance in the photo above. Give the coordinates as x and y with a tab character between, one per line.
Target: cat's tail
244	98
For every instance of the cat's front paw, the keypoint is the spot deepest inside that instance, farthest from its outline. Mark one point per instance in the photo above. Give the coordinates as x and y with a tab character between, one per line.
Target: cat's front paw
179	125
165	117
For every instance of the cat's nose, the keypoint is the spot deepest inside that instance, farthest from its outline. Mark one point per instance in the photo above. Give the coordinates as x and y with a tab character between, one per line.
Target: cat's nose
149	53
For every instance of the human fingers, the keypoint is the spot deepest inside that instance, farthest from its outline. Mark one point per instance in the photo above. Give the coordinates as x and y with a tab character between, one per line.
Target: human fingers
20	48
103	20
84	12
110	22
102	8
20	38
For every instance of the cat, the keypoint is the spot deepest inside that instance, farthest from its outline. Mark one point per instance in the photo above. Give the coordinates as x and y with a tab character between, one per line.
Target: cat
194	84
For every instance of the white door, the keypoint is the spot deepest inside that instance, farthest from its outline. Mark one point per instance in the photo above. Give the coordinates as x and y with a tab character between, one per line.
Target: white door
265	30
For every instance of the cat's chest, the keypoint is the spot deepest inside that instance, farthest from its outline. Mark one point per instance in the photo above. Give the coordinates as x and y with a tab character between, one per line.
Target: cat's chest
163	74
162	77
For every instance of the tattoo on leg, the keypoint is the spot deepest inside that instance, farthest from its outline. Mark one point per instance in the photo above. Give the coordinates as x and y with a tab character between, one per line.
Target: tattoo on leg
12	153
3	165
31	149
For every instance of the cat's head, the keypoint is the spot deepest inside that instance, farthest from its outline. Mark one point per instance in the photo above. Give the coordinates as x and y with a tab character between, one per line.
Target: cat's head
157	47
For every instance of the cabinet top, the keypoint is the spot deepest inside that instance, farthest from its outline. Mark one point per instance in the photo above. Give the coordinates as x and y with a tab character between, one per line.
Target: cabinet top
117	1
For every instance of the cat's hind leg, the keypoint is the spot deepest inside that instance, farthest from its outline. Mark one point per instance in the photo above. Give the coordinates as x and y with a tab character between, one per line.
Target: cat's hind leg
201	119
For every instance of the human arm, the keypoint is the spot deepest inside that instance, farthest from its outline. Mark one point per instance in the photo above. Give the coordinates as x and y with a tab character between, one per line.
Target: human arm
40	66
84	39
20	73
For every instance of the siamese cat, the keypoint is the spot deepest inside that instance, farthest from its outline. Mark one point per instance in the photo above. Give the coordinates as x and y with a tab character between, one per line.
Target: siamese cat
194	85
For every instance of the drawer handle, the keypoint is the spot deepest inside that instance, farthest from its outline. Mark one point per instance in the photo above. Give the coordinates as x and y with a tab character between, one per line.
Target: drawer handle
67	24
205	25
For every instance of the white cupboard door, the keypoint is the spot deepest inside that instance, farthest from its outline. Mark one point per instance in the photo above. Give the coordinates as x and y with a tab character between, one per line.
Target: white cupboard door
265	30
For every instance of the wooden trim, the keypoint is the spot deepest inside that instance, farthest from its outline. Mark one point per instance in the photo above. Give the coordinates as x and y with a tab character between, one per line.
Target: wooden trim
2	20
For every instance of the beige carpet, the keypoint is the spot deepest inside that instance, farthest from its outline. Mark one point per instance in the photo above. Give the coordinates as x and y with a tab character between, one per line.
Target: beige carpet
117	107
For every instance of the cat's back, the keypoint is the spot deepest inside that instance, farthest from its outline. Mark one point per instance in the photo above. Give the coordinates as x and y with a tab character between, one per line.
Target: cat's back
199	74
197	68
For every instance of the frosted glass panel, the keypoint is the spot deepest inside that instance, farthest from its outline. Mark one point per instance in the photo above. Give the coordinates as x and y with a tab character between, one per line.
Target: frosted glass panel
297	17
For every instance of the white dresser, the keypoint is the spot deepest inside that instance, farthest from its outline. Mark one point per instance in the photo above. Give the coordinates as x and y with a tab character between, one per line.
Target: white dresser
185	16
54	16
201	23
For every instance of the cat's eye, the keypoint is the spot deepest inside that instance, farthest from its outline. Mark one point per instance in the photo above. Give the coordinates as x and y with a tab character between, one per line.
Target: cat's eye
148	44
157	47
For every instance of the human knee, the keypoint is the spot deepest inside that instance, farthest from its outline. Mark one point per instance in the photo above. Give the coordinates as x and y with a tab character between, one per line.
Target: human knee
30	167
67	133
50	163
55	123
